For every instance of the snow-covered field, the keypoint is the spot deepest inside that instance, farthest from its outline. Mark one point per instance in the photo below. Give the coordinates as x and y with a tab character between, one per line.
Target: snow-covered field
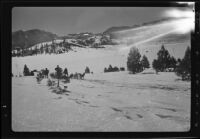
95	59
103	101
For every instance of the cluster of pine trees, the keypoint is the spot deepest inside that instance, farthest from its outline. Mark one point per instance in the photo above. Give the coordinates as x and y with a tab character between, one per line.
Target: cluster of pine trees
163	63
47	49
27	72
113	69
134	63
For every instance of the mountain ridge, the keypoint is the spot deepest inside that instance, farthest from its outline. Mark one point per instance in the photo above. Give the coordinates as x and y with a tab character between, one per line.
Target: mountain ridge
28	38
24	39
120	28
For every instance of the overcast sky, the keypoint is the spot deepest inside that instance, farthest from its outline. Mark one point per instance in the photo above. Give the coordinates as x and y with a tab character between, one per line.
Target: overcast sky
65	20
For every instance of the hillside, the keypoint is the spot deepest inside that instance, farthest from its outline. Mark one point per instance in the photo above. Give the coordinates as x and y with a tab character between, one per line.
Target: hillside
25	39
119	28
122	28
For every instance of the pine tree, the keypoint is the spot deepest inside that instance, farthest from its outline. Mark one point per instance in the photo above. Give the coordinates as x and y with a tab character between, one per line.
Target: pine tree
144	62
87	70
65	71
184	66
110	68
164	60
156	65
26	71
105	70
133	61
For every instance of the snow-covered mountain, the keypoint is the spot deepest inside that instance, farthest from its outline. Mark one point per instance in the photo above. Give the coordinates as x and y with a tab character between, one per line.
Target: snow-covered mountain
64	44
25	39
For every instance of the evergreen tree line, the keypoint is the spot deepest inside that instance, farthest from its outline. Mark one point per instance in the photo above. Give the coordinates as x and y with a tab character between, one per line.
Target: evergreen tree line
163	63
59	74
47	49
28	72
113	69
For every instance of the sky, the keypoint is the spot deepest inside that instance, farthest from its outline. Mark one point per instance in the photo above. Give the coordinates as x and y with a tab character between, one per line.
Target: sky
66	20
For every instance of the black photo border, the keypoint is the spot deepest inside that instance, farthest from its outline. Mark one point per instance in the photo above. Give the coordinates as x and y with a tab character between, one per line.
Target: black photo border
6	34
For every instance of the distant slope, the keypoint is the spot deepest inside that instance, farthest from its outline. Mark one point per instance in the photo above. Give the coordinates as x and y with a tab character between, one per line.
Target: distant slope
122	28
148	39
163	32
29	38
172	38
114	29
123	34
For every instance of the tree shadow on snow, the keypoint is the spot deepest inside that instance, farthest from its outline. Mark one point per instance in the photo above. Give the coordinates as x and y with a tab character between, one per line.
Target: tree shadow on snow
60	91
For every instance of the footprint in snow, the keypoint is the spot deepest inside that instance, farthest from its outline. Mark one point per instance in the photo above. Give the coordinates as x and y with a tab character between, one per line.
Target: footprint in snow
128	117
118	110
140	116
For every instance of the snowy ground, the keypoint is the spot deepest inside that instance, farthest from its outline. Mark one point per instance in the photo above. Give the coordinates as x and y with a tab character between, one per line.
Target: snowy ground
103	102
95	59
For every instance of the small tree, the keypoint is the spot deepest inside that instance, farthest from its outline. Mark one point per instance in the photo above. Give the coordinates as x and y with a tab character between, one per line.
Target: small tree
87	70
110	68
58	74
133	62
184	66
115	69
49	82
26	70
144	62
105	70
65	71
122	69
156	65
